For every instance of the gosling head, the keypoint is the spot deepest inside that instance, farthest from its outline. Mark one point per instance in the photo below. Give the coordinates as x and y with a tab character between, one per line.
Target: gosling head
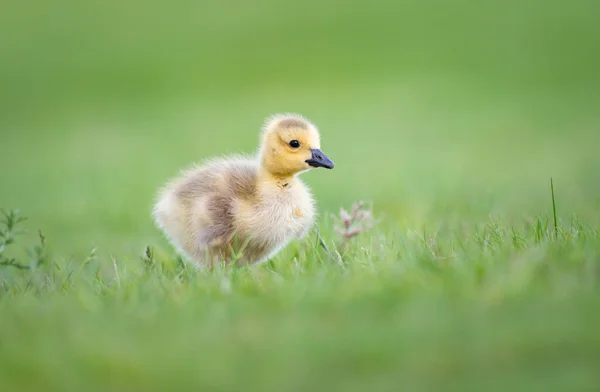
290	145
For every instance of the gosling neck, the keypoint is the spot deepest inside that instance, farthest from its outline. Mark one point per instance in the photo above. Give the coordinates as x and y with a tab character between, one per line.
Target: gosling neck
282	181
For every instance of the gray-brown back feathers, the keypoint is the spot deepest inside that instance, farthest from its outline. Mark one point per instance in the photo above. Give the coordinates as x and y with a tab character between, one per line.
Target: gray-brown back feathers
196	210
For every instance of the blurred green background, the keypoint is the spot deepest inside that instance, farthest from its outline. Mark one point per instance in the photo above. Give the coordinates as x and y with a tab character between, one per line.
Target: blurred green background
447	115
429	108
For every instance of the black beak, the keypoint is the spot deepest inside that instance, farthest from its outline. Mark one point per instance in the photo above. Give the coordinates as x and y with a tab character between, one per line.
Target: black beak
319	159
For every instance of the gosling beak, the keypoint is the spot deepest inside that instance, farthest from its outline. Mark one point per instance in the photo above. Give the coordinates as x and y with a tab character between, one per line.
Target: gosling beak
319	159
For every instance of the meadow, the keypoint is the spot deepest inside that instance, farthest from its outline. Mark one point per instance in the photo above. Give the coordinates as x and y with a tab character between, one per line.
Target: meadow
448	119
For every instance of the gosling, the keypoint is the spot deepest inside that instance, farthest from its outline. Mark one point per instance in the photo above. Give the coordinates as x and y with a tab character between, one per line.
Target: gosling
245	209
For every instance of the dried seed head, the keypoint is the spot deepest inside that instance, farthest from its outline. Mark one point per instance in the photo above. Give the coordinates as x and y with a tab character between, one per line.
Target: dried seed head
345	217
354	223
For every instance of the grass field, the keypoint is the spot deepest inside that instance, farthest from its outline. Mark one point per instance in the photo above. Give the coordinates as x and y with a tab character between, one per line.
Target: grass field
449	117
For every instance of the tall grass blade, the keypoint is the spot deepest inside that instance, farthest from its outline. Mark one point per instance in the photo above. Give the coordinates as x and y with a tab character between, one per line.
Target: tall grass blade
554	208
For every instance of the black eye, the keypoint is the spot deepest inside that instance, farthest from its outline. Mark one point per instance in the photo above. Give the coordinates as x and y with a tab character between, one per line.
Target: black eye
294	144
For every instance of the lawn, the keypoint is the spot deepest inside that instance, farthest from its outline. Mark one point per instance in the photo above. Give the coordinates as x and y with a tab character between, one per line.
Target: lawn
448	119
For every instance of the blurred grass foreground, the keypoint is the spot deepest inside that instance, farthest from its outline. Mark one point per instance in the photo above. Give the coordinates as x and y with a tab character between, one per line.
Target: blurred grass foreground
450	117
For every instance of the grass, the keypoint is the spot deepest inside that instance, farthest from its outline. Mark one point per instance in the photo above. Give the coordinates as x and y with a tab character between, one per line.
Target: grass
459	308
470	128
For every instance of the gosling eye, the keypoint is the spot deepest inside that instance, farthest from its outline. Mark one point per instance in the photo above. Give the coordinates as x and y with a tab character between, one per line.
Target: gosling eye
295	144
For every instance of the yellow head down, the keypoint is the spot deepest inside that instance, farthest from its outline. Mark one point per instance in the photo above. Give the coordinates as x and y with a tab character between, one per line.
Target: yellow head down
290	145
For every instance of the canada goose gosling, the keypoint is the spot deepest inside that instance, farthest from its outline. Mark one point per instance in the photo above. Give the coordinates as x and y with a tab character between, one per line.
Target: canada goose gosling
245	208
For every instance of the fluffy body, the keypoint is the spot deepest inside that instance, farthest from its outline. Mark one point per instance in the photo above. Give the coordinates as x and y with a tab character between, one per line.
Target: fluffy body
243	208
